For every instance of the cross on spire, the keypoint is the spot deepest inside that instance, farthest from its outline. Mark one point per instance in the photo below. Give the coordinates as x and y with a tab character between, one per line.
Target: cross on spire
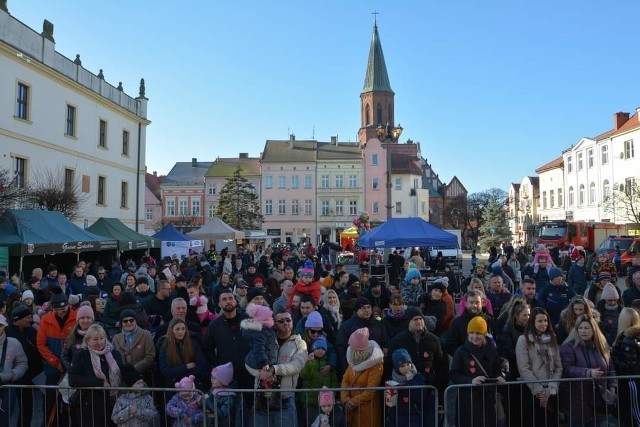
375	17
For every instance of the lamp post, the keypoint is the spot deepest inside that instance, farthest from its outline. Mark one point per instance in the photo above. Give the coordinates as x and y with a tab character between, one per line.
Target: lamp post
388	134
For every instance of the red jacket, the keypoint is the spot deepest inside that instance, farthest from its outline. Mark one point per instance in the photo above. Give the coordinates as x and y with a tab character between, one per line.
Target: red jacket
50	338
312	288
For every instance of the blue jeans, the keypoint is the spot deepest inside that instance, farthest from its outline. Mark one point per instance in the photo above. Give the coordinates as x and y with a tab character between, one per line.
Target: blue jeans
284	418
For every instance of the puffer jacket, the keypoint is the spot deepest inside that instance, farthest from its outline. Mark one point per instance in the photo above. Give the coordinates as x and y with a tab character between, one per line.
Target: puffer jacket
145	410
15	361
367	403
50	340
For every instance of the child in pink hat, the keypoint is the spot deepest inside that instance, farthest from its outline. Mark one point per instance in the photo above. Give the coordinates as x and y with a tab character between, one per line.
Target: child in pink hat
263	345
185	407
221	402
331	415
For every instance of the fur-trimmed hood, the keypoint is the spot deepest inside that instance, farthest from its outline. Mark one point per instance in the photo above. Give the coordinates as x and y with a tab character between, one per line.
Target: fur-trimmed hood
376	357
250	325
632	332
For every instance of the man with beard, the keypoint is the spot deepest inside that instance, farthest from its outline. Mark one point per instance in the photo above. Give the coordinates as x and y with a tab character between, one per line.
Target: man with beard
457	333
224	343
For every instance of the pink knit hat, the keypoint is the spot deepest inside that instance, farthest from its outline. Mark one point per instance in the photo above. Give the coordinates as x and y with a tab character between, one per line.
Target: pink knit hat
223	373
200	303
261	314
186	383
85	311
325	397
359	340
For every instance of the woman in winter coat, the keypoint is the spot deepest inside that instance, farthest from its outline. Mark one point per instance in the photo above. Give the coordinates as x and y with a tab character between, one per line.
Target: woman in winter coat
538	358
73	342
180	356
365	357
394	319
577	306
433	306
585	355
626	359
476	362
96	365
111	308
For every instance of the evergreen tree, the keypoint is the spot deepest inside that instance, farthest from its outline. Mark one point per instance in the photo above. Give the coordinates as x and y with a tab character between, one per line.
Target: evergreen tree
238	204
495	228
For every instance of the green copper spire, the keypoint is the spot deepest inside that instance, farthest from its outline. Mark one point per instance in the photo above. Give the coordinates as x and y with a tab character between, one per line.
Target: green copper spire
377	79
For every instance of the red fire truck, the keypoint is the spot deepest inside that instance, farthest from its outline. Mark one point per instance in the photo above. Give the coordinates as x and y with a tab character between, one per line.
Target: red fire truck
562	233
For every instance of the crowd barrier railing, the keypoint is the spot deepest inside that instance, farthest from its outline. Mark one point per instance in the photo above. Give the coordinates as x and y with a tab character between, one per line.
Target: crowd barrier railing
573	402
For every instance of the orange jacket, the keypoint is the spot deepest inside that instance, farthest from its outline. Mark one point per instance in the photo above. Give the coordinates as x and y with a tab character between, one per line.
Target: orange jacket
50	338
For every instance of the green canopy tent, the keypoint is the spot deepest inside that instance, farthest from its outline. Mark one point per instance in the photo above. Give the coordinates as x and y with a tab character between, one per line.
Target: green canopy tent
128	239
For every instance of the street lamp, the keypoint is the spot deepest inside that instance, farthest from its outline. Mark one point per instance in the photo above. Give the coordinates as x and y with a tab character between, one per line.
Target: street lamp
388	134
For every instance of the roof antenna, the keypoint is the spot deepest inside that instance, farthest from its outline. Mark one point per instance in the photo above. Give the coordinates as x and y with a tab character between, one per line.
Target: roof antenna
313	133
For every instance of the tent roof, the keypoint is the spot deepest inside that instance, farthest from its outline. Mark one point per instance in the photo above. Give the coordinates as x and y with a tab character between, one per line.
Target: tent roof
404	232
216	229
170	234
37	232
127	238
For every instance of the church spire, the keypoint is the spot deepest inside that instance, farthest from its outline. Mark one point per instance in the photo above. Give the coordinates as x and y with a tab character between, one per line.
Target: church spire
376	79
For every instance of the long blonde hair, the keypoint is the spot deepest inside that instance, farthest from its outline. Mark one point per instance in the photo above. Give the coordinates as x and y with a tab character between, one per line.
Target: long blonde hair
599	340
628	317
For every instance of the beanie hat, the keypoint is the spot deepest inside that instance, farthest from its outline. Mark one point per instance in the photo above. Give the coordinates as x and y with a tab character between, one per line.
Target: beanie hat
603	275
26	294
92	281
400	357
478	325
359	340
438	284
223	373
320	342
85	311
19	311
352	279
261	314
200	302
142	279
326	397
73	299
127	313
142	270
130	375
307	270
412	312
554	272
609	292
58	298
186	383
92	290
496	268
258	280
314	320
254	292
413	273
361	301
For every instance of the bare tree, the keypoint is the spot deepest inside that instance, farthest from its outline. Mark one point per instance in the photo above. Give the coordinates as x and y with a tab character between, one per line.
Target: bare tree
51	191
624	203
10	193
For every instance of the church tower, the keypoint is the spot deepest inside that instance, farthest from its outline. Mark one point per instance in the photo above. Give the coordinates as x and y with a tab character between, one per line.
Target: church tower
376	99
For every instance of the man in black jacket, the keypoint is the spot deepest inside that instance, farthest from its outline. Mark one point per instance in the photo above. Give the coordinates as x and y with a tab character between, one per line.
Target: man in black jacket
457	333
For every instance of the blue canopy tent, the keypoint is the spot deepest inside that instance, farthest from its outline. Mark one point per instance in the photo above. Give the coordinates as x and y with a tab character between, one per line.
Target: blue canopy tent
176	243
405	232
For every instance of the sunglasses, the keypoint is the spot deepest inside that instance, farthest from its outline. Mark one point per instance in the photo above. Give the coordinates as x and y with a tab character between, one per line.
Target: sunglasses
285	320
315	331
124	321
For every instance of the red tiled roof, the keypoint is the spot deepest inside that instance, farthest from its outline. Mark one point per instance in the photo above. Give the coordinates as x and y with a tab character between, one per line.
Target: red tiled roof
632	123
553	164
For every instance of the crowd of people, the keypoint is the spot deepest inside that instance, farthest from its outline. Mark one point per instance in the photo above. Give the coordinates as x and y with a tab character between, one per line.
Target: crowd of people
280	319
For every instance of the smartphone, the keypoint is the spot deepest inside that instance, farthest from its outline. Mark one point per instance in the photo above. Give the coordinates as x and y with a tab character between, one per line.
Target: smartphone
490	380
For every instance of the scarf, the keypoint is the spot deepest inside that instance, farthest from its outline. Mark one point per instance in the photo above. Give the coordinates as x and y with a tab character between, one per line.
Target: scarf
403	379
114	371
81	332
128	336
398	316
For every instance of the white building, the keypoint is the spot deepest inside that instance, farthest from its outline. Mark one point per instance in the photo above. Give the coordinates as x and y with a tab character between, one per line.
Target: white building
551	181
58	118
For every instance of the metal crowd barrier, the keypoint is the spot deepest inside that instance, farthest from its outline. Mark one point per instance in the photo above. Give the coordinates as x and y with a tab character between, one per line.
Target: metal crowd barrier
578	402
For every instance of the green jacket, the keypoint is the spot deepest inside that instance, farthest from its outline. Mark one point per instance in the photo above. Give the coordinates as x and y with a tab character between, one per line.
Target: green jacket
311	378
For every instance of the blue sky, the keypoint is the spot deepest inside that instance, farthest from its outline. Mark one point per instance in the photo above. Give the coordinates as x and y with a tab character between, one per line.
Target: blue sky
492	89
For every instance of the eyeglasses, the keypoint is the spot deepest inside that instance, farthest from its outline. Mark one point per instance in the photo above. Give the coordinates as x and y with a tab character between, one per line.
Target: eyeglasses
124	321
101	274
315	331
285	320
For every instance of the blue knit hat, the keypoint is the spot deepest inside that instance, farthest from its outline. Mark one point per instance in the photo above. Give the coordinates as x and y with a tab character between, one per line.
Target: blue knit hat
399	357
307	270
413	273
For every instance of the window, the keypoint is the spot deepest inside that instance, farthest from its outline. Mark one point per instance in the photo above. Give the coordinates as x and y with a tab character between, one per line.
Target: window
195	207
20	171
212	189
325	208
353	207
592	193
307	207
398	207
294	181
171	208
569	164
340	207
70	129
424	207
125	142
398	183
375	183
268	207
212	211
571	197
375	208
630	187
124	194
102	137
606	190
324	181
605	154
282	181
579	161
268	181
581	195
102	188
148	214
560	199
374	159
628	149
282	207
307	181
69	177
552	200
590	159
544	200
339	181
22	102
353	181
182	207
295	207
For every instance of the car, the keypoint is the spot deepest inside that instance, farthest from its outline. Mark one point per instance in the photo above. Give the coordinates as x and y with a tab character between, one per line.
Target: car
609	244
629	254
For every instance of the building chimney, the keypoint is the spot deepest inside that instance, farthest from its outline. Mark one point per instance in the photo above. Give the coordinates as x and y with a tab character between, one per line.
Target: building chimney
334	140
619	119
194	162
292	137
244	155
155	173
